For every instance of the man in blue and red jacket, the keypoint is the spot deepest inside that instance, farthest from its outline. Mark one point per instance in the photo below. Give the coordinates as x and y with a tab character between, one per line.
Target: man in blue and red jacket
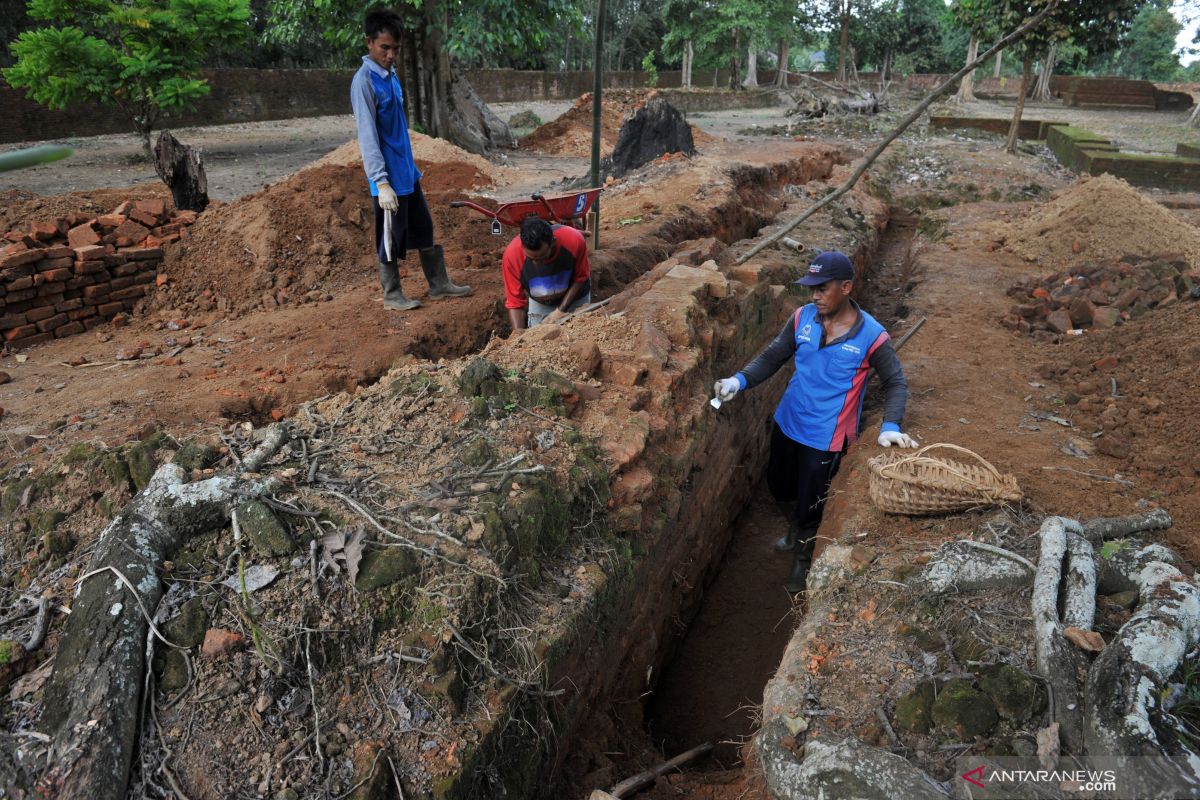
834	345
402	218
546	273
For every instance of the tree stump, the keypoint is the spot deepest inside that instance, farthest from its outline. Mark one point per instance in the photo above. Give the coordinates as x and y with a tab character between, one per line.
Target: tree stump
181	168
656	129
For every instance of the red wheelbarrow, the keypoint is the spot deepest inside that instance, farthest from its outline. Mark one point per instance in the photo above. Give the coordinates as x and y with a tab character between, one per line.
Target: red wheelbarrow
564	209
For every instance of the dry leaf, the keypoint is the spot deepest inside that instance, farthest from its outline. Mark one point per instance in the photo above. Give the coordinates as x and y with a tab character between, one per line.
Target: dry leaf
31	682
353	552
1085	640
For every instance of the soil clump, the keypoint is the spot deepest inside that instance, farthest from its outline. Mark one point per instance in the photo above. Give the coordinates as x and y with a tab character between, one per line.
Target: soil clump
1100	218
571	133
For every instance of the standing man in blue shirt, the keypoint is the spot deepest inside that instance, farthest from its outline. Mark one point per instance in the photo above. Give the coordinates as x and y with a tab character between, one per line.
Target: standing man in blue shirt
834	345
402	219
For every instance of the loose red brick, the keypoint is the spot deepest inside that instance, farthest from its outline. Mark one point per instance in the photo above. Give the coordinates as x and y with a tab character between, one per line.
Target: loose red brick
20	332
186	217
52	322
90	268
21	238
108	309
22	258
141	217
144	253
47	264
83	236
93	252
17	284
111	220
168	229
12	321
96	293
57	275
129	293
59	251
123	208
160	280
32	339
43	231
172	237
129	268
69	304
1106	364
78	218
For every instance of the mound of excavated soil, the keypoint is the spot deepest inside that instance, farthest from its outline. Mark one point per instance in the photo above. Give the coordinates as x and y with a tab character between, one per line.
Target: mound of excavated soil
1099	218
306	236
426	149
571	133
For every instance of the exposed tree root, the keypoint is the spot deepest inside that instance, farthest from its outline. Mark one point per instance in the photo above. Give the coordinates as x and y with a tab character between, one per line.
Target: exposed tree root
94	692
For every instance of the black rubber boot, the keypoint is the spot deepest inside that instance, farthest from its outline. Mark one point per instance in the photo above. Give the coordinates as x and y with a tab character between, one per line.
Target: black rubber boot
797	580
433	264
787	542
393	295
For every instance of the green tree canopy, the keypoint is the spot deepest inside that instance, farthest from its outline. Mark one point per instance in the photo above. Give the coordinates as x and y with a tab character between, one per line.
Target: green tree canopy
143	56
1147	50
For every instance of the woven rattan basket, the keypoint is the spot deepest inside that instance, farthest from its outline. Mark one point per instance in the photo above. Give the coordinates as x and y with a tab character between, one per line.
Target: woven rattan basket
920	484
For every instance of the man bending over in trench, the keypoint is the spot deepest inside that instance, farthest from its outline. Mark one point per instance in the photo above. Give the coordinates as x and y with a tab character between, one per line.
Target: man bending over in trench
834	345
546	273
402	217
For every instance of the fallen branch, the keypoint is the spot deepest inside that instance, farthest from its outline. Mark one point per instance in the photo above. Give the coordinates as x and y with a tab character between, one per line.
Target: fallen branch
643	779
912	117
41	624
1092	475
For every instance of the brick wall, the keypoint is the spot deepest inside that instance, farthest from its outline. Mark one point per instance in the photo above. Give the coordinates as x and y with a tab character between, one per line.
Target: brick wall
68	275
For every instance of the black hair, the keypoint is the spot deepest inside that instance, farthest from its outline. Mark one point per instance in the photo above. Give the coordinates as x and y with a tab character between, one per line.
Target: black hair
382	20
536	232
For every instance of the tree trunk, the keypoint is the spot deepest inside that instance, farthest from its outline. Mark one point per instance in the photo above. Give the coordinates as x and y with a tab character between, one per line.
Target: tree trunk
1026	75
996	67
843	42
93	696
885	74
751	80
966	89
453	111
1042	92
735	72
182	170
688	55
781	76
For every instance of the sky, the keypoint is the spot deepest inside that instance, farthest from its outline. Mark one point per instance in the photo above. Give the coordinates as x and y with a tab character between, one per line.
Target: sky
1188	13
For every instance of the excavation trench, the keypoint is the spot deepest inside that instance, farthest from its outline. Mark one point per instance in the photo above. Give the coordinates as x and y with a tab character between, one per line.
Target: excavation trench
709	618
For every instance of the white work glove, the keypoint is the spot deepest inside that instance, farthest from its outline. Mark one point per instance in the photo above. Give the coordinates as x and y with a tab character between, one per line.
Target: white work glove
726	388
889	438
387	198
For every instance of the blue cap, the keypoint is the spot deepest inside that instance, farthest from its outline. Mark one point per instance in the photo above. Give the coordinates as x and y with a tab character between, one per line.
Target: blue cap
828	266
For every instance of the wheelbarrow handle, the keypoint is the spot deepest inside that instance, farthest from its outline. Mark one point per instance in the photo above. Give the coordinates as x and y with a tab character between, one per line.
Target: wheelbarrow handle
487	212
549	210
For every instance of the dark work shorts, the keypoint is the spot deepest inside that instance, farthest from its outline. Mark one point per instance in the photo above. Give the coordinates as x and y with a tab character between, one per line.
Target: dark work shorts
800	473
412	227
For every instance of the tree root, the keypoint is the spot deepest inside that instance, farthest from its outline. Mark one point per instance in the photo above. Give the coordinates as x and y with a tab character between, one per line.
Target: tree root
1057	661
1124	682
93	695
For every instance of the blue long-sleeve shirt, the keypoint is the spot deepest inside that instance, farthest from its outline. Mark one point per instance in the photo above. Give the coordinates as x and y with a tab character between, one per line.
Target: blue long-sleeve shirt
378	103
822	403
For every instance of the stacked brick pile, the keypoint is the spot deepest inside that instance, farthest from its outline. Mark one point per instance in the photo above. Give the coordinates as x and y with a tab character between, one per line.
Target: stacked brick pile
1097	296
68	275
